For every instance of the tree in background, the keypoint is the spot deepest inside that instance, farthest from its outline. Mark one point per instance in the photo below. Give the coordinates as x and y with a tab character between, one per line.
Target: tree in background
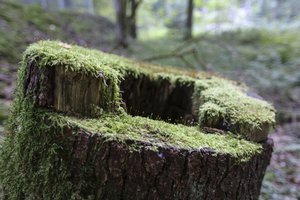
126	24
189	19
121	22
134	4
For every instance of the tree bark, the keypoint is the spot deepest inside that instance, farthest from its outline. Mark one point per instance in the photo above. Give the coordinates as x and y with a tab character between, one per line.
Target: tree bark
189	19
121	22
134	4
166	173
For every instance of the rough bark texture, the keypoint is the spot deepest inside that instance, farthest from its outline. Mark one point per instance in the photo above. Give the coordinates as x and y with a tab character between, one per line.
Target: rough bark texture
168	173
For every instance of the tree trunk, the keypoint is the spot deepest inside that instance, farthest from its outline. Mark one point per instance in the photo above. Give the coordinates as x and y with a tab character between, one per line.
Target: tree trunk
189	19
121	22
132	18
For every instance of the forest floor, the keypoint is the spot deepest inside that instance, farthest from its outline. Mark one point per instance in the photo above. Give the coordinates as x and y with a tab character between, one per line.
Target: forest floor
267	61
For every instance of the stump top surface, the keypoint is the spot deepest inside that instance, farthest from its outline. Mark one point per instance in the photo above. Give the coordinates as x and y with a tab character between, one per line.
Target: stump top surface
222	103
143	132
97	63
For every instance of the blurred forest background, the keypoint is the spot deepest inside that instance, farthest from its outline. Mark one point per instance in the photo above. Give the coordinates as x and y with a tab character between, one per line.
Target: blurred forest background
252	41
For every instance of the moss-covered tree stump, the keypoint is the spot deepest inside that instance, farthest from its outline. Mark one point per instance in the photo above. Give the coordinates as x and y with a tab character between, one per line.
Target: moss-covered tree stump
81	129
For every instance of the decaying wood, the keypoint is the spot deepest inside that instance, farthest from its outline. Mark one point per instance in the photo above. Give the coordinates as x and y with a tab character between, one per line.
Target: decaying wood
69	92
158	99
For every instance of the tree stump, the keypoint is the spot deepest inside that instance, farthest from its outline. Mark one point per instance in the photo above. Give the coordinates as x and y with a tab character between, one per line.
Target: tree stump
89	125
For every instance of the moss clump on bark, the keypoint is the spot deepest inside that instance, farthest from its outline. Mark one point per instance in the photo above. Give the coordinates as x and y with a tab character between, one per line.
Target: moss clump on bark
227	108
162	134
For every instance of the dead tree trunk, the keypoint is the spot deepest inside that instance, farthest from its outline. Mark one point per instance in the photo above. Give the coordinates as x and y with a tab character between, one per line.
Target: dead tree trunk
121	22
70	157
189	19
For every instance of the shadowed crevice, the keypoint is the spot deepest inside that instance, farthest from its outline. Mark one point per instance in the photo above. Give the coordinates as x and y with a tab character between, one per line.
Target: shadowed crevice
158	99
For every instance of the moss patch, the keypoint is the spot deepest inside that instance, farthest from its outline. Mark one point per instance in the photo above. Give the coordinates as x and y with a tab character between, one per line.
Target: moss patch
161	134
228	108
30	157
99	63
238	106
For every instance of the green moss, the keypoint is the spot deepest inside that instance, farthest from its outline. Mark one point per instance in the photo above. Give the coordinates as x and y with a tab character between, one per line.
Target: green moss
239	106
162	134
241	113
211	113
98	63
32	165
